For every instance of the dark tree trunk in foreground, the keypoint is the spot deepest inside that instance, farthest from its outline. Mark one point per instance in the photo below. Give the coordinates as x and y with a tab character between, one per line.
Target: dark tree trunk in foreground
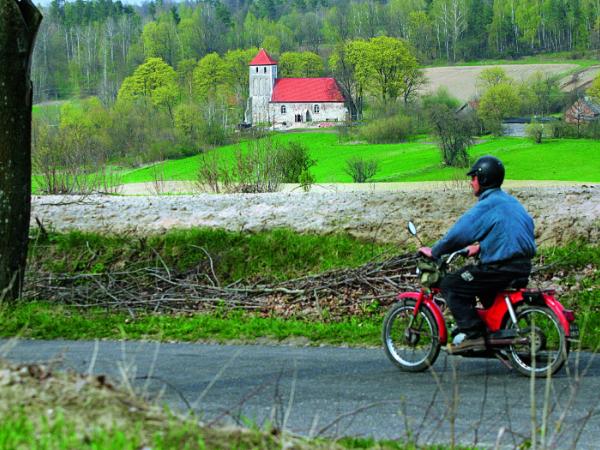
19	22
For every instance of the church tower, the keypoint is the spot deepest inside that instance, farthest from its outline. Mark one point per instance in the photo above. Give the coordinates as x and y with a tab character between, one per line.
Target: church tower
263	73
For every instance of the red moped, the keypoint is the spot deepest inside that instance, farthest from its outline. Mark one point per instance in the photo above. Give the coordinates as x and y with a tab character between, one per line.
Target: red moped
527	329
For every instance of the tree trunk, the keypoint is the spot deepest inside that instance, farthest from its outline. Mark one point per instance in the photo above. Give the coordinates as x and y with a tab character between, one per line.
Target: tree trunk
19	22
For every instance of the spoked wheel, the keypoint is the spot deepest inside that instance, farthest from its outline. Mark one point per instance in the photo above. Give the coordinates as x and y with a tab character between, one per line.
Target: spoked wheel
411	347
545	346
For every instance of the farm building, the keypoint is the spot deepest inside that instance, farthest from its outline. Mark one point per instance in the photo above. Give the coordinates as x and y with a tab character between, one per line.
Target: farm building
583	110
291	102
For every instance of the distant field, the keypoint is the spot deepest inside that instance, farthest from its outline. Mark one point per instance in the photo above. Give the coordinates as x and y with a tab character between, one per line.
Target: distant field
566	160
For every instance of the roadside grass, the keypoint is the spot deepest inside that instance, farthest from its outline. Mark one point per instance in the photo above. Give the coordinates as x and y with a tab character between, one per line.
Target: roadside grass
554	159
270	257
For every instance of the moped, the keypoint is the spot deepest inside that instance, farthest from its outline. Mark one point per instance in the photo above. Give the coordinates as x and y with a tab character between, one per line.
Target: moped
527	329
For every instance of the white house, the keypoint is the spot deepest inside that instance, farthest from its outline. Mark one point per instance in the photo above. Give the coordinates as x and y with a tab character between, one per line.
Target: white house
291	102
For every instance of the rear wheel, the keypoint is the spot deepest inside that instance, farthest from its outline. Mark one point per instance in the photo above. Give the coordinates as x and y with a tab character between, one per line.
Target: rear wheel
414	347
544	347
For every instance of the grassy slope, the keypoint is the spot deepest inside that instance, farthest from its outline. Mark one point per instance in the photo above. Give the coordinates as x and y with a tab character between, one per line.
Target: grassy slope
568	160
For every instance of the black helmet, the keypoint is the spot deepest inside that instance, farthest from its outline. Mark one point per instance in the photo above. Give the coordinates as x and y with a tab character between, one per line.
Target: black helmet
489	171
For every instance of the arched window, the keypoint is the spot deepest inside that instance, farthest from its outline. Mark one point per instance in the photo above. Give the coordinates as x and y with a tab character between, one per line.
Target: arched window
264	70
283	110
316	109
257	70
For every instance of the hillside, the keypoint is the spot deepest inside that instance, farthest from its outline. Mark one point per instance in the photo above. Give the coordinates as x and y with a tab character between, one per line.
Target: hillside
461	81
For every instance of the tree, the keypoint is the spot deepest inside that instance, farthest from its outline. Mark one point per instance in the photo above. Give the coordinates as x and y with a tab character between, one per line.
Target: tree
19	22
454	133
360	169
492	76
209	75
594	89
154	80
300	65
498	102
386	67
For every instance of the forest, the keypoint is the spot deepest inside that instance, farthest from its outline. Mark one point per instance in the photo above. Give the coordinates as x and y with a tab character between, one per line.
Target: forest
88	47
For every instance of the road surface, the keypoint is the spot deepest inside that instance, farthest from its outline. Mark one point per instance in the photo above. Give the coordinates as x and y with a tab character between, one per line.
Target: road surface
331	391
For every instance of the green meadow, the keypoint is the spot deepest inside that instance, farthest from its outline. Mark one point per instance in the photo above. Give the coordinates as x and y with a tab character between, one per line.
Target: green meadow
554	159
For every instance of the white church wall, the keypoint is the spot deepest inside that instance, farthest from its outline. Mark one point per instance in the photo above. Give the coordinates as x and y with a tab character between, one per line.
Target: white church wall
327	112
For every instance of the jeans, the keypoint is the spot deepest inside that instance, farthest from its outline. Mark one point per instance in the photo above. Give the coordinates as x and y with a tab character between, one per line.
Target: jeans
484	281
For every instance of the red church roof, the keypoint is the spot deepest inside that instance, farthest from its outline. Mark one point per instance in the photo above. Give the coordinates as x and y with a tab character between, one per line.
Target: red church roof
263	59
306	90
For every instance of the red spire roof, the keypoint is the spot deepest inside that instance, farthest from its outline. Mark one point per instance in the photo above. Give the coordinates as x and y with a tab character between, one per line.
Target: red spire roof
306	90
263	59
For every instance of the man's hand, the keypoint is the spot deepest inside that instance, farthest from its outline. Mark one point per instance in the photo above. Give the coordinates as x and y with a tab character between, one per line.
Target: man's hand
473	249
426	251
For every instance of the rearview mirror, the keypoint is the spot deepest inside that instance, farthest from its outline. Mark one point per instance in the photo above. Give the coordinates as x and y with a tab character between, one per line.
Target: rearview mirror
412	229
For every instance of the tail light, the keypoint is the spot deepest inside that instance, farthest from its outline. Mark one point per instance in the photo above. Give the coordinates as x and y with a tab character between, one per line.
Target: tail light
569	315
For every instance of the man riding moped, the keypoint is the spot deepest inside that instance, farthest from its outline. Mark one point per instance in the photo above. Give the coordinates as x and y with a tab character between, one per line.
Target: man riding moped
501	232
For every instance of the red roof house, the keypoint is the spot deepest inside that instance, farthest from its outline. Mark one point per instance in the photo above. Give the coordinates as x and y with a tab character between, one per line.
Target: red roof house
307	90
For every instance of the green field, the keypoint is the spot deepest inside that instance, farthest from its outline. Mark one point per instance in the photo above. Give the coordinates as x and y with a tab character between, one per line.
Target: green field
555	159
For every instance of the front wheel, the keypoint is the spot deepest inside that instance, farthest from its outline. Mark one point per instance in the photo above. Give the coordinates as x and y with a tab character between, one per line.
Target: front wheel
412	347
544	347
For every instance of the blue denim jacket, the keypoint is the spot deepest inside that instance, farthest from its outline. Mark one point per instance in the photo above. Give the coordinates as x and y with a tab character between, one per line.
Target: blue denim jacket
499	223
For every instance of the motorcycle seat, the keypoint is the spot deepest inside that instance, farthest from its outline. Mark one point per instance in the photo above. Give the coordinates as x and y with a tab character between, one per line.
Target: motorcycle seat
517	283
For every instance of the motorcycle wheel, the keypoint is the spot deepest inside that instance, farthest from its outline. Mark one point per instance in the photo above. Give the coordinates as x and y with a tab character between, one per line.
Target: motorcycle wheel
415	348
550	348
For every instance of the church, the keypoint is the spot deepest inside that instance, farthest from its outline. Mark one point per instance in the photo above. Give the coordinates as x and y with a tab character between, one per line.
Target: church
291	102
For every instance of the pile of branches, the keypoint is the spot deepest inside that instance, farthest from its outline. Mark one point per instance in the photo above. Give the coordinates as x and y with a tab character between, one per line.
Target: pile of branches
339	292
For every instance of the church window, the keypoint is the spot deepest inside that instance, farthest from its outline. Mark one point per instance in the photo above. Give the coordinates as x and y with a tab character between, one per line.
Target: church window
283	110
316	109
257	70
264	70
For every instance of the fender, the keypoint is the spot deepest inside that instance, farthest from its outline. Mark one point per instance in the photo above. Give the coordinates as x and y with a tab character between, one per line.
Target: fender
435	310
497	314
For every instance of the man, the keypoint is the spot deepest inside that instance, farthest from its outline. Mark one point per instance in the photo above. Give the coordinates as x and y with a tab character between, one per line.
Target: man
498	229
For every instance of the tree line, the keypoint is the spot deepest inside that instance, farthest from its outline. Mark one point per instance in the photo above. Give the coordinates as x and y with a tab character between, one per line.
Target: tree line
89	47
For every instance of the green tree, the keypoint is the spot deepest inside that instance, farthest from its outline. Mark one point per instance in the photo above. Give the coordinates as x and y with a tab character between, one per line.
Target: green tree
386	67
19	22
454	134
154	80
492	76
594	89
160	39
498	102
210	76
300	65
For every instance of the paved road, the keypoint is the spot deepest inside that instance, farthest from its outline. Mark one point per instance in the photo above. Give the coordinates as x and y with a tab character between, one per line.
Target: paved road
341	391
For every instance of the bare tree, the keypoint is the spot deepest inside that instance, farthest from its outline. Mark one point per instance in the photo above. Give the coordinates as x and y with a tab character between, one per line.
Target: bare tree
19	22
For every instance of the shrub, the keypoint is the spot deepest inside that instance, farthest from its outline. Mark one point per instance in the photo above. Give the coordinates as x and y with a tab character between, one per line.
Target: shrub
454	134
388	130
361	169
293	159
560	129
535	131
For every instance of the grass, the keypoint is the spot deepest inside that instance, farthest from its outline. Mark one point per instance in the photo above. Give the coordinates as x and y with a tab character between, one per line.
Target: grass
545	58
554	159
269	256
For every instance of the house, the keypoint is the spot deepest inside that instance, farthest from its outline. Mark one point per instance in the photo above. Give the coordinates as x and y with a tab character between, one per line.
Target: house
291	102
582	111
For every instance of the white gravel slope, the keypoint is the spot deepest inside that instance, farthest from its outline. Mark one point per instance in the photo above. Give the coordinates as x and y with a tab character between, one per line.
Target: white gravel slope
559	212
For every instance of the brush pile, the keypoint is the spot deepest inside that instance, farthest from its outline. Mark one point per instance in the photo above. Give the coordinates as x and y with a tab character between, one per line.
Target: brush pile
338	292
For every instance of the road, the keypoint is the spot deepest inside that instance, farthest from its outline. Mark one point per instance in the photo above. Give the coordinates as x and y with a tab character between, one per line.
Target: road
332	391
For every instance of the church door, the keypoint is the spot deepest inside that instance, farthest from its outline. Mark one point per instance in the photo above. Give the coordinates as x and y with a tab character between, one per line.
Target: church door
308	117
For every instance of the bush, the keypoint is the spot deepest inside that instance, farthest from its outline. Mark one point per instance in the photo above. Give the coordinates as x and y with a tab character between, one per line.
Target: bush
592	130
388	130
560	129
361	169
293	159
454	134
535	131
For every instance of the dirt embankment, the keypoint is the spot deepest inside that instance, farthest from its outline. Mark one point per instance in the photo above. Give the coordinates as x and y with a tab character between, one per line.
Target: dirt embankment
560	213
